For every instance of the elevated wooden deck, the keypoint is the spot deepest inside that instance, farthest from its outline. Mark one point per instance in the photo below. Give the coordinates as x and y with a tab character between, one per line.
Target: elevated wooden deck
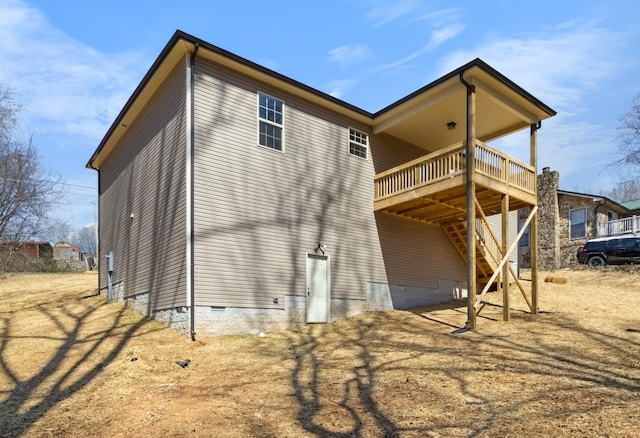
432	188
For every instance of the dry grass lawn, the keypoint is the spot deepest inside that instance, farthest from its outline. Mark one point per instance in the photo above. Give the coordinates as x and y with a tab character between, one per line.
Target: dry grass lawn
74	365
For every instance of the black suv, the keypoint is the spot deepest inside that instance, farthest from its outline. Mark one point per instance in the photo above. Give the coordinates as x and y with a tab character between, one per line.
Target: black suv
610	250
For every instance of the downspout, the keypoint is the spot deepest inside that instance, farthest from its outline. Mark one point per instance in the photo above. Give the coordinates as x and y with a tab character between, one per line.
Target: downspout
470	204
192	292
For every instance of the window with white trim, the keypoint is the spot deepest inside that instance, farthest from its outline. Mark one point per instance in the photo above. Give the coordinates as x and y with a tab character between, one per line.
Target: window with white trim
577	223
358	144
270	122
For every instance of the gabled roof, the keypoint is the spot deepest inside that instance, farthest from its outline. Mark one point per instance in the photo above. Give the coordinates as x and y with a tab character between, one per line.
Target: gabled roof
70	245
632	205
597	198
420	118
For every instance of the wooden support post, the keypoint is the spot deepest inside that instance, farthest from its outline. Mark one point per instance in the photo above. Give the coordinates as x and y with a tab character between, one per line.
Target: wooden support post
533	230
506	312
471	206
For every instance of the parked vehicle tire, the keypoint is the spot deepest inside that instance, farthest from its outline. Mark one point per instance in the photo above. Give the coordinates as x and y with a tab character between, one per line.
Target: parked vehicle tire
596	261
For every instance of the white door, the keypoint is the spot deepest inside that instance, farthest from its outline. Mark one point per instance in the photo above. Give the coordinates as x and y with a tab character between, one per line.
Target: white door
317	288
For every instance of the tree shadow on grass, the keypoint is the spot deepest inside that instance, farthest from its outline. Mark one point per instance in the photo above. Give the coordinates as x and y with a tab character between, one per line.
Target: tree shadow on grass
81	355
347	383
358	400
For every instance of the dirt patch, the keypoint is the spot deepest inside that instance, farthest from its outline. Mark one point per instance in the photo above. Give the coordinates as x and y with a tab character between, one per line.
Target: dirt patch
73	364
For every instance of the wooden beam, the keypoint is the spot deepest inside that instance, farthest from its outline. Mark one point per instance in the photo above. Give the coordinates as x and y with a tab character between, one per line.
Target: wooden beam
450	230
506	315
420	192
470	147
533	234
534	210
433	202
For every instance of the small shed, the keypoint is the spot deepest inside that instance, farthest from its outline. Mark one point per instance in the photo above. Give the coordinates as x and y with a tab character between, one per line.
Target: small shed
66	251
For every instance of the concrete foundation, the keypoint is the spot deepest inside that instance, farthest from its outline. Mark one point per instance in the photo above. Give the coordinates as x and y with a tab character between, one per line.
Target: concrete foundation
213	321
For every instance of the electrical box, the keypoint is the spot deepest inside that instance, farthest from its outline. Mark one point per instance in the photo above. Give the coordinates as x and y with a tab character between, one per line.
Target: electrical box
110	261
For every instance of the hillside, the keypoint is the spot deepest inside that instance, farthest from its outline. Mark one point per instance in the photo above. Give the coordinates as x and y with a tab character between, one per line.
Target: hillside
74	364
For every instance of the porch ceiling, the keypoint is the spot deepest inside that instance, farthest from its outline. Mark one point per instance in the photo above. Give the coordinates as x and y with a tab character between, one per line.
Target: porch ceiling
501	107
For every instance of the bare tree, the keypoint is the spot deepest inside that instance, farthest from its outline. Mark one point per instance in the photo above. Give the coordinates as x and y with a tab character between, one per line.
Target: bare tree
26	191
624	191
57	230
85	239
629	135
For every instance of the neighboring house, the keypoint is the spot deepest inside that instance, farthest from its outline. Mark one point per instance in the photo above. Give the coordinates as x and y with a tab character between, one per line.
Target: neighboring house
36	250
568	219
33	250
234	199
21	255
633	206
66	251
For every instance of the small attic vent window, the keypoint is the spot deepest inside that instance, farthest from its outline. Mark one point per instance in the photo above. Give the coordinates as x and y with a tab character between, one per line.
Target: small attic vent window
358	144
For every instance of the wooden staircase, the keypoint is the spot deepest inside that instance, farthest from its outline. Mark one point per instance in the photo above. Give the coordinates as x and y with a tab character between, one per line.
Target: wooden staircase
487	249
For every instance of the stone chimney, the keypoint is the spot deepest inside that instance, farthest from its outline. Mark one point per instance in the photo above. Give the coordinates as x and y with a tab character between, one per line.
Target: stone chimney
548	220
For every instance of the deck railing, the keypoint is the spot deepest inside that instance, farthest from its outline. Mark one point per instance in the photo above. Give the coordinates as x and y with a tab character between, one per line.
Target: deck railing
619	226
449	162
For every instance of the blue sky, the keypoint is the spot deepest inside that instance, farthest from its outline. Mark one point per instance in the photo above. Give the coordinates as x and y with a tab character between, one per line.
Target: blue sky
73	64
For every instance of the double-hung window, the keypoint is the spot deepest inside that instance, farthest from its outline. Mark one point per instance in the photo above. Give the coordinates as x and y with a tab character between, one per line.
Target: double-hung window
577	222
358	144
270	122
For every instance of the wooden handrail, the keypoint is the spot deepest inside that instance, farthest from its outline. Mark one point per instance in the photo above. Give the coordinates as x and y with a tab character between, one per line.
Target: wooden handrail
451	161
420	159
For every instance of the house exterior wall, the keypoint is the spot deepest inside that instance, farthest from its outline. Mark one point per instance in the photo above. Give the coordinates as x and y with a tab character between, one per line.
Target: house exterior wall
31	250
567	245
142	201
596	213
495	223
64	251
258	211
556	247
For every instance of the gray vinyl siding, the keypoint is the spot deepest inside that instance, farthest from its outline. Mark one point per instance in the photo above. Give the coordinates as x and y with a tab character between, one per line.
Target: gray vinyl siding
388	152
495	222
259	211
417	254
145	177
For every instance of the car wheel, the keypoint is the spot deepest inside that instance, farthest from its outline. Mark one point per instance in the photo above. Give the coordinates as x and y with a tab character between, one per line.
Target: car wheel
596	261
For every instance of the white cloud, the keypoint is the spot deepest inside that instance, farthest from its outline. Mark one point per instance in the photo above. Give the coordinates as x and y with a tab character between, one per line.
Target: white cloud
441	17
392	10
558	67
64	85
339	88
444	24
438	37
349	55
573	69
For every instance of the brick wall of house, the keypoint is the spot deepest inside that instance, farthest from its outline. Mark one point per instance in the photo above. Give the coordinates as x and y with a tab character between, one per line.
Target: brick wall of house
556	247
567	245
